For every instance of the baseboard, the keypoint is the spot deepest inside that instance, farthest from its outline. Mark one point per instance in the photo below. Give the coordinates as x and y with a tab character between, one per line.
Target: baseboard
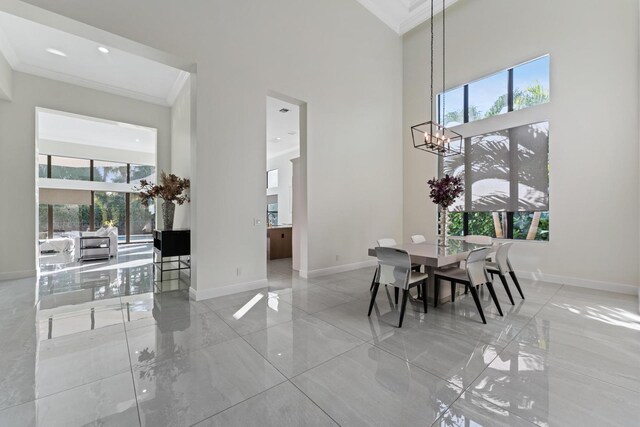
337	269
15	275
202	294
621	288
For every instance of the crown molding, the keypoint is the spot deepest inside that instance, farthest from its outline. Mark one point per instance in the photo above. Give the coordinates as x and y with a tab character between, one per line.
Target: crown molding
422	14
373	7
409	14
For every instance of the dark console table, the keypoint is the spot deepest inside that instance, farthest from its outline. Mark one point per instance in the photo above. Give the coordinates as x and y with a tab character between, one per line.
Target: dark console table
94	247
171	244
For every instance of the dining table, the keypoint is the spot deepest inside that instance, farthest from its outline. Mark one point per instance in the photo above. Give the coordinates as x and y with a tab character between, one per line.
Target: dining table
434	255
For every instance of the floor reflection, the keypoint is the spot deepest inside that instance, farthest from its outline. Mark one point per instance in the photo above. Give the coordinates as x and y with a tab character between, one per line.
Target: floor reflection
64	281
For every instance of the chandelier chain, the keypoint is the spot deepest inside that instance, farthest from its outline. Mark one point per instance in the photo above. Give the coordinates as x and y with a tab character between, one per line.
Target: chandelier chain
431	81
443	67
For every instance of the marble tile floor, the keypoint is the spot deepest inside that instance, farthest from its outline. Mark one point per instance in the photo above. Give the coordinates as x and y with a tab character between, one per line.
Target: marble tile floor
303	352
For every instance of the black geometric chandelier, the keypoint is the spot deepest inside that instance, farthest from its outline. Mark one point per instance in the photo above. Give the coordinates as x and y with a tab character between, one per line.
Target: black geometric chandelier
432	136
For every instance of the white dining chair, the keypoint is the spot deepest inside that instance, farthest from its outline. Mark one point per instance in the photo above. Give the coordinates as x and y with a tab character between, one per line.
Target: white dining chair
502	267
418	238
395	269
386	242
472	276
478	239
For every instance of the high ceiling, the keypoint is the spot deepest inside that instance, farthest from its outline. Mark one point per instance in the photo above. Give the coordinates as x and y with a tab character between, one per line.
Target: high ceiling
37	49
404	15
283	128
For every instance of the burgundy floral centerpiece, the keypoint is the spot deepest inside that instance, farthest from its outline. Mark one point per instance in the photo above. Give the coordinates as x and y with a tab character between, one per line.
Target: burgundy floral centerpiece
172	189
444	192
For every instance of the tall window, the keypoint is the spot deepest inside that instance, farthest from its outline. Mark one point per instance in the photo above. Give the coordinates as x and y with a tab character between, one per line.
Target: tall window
506	172
506	176
517	88
134	221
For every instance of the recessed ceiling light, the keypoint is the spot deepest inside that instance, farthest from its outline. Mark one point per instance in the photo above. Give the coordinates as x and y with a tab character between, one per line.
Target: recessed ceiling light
55	51
278	139
137	139
103	49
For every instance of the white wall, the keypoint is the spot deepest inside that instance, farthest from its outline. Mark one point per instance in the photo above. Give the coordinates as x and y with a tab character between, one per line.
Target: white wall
6	78
181	148
285	183
18	153
332	54
593	117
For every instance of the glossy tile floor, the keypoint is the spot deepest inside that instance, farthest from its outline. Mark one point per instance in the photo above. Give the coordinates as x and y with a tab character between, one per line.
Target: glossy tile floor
94	346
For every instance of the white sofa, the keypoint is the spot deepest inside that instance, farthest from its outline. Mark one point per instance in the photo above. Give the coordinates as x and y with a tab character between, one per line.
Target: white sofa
111	232
59	244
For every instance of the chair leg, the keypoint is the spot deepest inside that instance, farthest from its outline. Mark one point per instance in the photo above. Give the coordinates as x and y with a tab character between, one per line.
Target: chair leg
397	291
474	294
466	290
424	295
373	297
405	297
373	281
436	292
506	288
515	280
494	297
453	291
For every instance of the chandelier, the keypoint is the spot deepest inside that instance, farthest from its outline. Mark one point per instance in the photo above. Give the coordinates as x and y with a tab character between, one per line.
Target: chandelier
432	136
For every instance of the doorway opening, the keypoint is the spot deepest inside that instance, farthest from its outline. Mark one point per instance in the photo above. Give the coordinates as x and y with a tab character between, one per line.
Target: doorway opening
286	192
88	169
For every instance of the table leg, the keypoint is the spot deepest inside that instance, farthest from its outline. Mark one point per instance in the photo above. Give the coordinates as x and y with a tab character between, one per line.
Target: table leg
431	282
430	285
